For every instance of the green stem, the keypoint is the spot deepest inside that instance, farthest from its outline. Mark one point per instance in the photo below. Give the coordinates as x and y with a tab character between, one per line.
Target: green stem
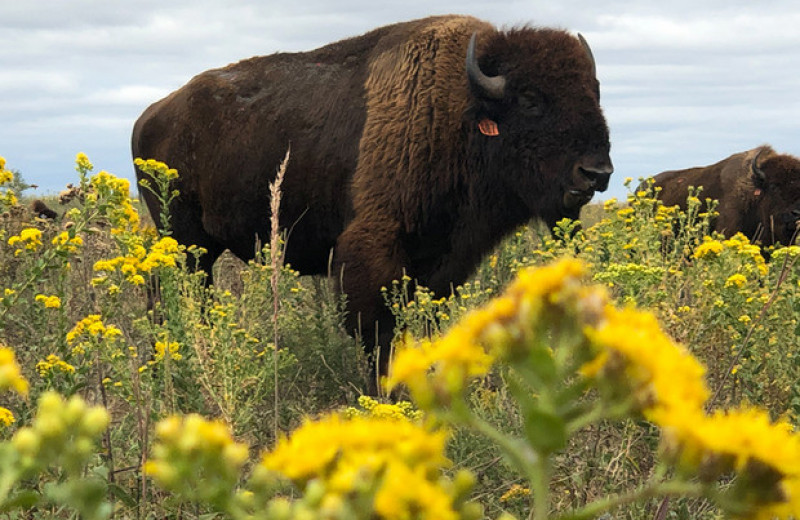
647	490
540	482
522	456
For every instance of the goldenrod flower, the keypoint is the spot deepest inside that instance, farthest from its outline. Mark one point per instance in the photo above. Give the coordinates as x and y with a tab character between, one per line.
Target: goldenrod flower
710	248
6	417
28	238
62	433
397	460
196	457
50	302
93	327
172	347
82	162
10	373
53	363
634	352
68	244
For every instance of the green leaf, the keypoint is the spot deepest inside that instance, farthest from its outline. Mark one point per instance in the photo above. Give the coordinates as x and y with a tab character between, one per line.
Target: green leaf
22	500
546	431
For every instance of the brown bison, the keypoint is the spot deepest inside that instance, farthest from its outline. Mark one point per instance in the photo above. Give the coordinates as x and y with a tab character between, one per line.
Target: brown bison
41	210
417	146
758	193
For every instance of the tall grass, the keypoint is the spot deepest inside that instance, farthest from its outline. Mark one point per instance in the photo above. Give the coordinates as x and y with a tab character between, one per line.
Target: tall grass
265	348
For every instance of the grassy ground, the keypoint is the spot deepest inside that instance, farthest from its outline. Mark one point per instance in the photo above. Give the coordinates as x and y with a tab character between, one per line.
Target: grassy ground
213	351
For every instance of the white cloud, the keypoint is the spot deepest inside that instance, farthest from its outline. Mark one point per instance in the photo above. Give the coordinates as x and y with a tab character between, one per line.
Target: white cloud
683	82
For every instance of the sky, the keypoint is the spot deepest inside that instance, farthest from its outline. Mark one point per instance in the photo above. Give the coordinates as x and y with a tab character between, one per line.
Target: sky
683	83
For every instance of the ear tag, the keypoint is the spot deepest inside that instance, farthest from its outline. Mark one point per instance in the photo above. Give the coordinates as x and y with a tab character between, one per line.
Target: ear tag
757	192
488	127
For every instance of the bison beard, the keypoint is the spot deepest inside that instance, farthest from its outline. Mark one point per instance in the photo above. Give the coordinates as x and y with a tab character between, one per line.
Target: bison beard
390	168
758	193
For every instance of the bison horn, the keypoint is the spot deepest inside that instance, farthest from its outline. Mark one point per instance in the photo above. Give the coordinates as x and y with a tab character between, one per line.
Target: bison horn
758	173
491	86
589	52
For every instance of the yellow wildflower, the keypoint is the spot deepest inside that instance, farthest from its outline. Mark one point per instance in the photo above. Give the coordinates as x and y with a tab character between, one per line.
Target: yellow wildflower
53	363
10	373
50	302
660	374
82	162
172	347
710	248
6	417
396	459
28	238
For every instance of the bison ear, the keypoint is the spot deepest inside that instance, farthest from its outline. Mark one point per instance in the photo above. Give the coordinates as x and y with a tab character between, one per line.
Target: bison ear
759	177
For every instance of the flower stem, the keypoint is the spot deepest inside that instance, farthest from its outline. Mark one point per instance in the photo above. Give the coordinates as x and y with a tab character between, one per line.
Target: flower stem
647	490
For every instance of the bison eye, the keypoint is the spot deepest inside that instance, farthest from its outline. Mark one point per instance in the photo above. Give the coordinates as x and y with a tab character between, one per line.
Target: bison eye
530	104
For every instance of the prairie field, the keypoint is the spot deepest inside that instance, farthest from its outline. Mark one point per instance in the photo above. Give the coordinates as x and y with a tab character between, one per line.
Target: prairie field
634	364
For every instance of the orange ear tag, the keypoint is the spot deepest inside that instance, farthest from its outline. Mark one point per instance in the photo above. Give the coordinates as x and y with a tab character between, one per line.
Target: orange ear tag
757	192
488	127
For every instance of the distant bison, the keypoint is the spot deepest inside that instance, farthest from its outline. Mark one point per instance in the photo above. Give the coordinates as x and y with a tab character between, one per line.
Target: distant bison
417	146
758	193
40	209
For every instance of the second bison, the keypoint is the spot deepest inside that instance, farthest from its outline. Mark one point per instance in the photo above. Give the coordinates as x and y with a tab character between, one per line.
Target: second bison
758	193
415	147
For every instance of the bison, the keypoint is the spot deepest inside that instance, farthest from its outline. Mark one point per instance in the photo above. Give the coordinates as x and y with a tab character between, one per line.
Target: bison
758	193
41	210
416	148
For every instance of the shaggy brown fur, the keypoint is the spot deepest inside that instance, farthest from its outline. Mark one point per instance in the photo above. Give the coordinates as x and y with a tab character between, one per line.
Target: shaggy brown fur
389	169
758	193
41	210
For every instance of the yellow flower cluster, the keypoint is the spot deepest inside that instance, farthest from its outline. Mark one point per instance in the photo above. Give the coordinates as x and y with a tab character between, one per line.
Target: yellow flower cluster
736	280
82	162
635	358
53	363
194	456
171	347
632	349
10	374
710	248
6	417
741	245
94	329
123	216
63	433
156	168
765	456
28	239
164	253
5	175
436	370
372	408
64	242
50	302
396	459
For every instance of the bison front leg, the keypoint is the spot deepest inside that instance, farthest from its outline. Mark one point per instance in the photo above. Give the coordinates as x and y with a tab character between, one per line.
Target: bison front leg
368	256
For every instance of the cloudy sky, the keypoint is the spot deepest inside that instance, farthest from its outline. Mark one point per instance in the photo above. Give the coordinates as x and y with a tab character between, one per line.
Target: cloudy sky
683	83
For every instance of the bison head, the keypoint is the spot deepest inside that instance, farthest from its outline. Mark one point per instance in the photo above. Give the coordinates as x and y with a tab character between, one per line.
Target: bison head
776	178
539	89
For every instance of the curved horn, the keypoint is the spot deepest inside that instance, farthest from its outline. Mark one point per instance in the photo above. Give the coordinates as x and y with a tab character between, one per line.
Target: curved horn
492	87
758	173
589	52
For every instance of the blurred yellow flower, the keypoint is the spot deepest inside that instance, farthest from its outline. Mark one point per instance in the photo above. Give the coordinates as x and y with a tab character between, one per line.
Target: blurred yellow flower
10	374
